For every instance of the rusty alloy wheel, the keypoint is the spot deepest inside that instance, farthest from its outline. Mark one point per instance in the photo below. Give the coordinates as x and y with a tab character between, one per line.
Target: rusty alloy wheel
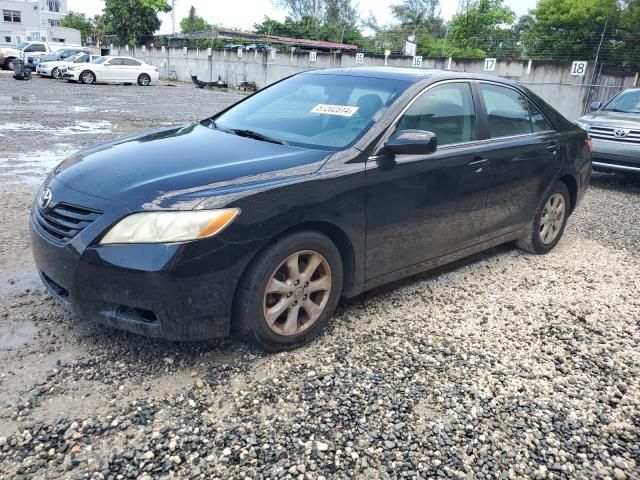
297	293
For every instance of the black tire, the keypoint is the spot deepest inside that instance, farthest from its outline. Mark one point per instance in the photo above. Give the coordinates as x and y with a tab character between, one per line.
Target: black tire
8	64
533	241
249	317
87	77
55	73
144	80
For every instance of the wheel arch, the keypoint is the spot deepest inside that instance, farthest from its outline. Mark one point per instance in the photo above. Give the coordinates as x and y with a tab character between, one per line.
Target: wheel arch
95	77
572	186
339	238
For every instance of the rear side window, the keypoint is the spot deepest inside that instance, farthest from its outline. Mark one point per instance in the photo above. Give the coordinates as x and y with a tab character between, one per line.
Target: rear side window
446	110
507	110
131	62
538	122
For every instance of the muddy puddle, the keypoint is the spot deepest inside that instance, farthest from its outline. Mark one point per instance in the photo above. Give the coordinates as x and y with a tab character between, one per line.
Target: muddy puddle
30	168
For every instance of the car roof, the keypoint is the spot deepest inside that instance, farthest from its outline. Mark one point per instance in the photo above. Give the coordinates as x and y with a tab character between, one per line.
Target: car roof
407	73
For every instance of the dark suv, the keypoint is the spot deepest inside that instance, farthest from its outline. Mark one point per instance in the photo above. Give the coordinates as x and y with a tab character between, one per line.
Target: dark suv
323	185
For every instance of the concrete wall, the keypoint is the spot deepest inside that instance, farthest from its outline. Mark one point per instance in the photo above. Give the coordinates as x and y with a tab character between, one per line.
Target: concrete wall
551	80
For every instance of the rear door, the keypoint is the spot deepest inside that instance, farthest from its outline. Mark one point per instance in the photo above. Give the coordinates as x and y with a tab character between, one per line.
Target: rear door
131	69
421	207
525	156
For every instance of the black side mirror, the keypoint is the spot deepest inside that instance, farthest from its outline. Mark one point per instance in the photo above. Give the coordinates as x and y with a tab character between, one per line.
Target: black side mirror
595	106
412	142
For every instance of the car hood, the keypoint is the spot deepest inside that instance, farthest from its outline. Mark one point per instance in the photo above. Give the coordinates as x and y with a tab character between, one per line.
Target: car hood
611	119
179	167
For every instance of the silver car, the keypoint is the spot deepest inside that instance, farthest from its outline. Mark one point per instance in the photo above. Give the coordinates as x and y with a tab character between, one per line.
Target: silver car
615	132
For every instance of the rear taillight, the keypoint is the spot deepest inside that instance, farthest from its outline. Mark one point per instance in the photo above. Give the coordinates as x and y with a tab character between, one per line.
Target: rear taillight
589	144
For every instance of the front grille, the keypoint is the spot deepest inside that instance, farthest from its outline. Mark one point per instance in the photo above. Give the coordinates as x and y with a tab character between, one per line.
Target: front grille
607	133
65	221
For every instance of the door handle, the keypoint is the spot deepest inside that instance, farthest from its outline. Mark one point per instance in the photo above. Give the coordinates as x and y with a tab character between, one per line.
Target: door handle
478	162
554	148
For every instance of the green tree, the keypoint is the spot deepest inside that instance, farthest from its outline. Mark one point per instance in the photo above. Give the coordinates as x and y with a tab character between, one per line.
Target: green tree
627	50
193	22
419	17
570	29
485	25
440	47
79	21
313	29
99	28
133	20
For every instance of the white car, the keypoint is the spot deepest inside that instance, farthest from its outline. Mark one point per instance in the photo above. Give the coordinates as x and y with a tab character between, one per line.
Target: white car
58	68
110	69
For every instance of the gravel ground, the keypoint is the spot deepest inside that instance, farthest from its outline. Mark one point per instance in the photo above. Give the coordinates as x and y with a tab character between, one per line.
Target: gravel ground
504	365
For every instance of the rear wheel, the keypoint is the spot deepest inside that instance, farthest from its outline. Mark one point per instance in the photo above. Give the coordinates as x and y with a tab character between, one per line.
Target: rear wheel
549	222
144	80
55	73
290	292
87	77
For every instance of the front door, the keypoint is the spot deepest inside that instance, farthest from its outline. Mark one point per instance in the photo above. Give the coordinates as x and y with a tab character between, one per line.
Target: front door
421	207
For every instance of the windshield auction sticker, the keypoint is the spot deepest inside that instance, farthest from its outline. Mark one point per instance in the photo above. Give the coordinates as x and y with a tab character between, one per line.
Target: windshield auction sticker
341	110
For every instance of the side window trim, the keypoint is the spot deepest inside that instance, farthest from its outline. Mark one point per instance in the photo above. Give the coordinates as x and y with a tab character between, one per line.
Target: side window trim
486	113
486	118
393	125
530	103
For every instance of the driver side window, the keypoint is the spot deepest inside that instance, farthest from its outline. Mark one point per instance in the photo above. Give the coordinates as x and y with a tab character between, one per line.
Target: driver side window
446	110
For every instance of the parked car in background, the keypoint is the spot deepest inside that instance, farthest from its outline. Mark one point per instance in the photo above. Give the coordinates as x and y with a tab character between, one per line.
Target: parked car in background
56	69
58	55
21	50
112	69
615	131
325	184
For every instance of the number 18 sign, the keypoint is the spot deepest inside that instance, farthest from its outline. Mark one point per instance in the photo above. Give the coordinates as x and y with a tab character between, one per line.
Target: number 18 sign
579	68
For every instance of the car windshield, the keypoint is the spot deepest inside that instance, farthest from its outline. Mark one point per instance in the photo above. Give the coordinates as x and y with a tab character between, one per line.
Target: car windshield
73	58
100	60
21	45
322	111
626	102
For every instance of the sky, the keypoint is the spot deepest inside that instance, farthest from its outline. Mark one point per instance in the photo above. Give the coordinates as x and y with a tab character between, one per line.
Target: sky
248	12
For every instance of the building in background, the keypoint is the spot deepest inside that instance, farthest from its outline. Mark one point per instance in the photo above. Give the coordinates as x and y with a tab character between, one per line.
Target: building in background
25	20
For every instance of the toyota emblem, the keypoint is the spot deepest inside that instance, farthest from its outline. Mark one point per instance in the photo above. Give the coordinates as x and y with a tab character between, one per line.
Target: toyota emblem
45	199
621	132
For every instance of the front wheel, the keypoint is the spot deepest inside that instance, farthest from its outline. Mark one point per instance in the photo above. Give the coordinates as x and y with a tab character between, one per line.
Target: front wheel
289	292
9	64
549	221
144	80
55	73
87	77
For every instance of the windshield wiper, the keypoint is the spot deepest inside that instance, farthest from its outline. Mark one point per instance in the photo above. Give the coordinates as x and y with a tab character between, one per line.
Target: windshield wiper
257	136
617	110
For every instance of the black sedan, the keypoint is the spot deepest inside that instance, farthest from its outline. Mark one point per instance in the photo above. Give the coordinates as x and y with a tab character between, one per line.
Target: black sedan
326	184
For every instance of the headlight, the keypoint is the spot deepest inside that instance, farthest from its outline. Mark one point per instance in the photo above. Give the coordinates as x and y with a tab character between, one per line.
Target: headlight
74	68
167	227
582	125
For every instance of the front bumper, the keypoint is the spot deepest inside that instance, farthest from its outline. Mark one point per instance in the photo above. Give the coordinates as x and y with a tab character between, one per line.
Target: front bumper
45	72
174	291
71	75
616	156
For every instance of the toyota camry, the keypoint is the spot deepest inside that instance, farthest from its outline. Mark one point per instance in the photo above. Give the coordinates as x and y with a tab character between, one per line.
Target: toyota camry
328	183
